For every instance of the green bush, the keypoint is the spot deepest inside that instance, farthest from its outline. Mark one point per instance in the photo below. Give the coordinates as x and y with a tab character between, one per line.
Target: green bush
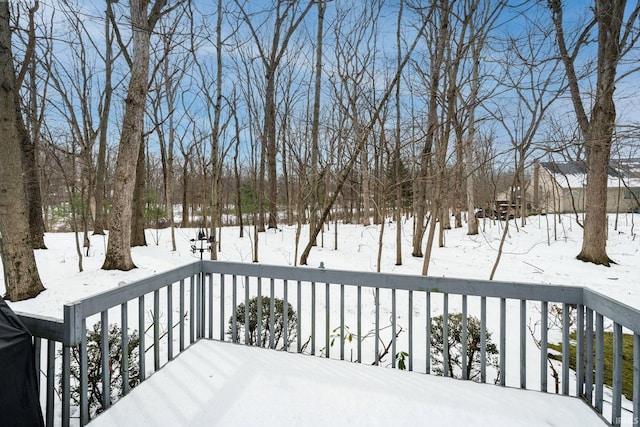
94	367
455	367
292	322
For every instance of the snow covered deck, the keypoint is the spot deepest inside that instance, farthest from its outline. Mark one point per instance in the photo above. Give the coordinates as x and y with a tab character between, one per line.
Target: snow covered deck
222	384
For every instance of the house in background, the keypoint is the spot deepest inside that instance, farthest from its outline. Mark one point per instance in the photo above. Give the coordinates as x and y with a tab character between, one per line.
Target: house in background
561	186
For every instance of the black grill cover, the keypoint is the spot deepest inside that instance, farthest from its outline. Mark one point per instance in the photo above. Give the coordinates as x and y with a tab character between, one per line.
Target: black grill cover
19	401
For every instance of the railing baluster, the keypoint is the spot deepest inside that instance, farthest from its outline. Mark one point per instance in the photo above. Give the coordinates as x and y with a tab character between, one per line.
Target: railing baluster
84	369
182	314
393	328
285	314
359	321
299	326
483	339
210	308
428	328
66	386
193	315
51	382
141	334
342	337
247	321
636	377
503	342
544	342
579	351
616	389
124	346
377	327
327	319
523	343
200	301
222	298
156	330
465	337
588	389
234	303
599	361
37	350
104	359
259	312
272	315
313	318
565	349
445	335
410	331
170	321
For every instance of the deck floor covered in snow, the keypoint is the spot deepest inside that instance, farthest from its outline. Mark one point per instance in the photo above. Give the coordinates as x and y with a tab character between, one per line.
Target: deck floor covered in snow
222	384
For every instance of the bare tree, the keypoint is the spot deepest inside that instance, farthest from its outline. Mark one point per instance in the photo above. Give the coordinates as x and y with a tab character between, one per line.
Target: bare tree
21	277
118	256
348	166
617	34
287	16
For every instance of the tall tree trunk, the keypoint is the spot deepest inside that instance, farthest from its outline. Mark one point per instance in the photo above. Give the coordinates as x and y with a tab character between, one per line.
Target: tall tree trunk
314	208
21	277
31	182
396	166
29	143
138	206
118	256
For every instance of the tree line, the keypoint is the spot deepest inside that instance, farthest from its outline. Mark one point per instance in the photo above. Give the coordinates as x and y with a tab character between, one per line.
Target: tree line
299	112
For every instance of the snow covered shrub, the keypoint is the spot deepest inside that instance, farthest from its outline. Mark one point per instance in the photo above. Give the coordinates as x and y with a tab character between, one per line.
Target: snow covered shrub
292	322
455	347
94	367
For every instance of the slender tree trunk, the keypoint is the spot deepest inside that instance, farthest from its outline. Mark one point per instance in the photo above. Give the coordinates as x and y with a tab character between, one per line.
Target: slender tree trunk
138	237
21	277
99	221
315	125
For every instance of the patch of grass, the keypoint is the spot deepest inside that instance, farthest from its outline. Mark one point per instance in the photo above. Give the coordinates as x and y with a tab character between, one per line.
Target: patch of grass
627	360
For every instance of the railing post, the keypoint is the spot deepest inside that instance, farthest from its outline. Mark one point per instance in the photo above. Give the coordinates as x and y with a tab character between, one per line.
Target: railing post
588	388
72	337
580	351
616	388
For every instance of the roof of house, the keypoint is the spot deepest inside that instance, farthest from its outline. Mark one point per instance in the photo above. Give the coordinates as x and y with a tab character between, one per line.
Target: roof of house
573	174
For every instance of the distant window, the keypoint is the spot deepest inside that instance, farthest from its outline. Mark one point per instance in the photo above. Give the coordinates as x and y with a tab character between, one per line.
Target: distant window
573	194
628	196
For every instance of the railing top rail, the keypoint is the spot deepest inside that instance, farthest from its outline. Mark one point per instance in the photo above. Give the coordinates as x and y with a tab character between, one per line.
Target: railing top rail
482	288
43	327
116	296
620	313
612	309
68	331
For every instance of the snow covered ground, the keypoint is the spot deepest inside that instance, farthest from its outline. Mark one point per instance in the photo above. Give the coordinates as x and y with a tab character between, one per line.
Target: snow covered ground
541	252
